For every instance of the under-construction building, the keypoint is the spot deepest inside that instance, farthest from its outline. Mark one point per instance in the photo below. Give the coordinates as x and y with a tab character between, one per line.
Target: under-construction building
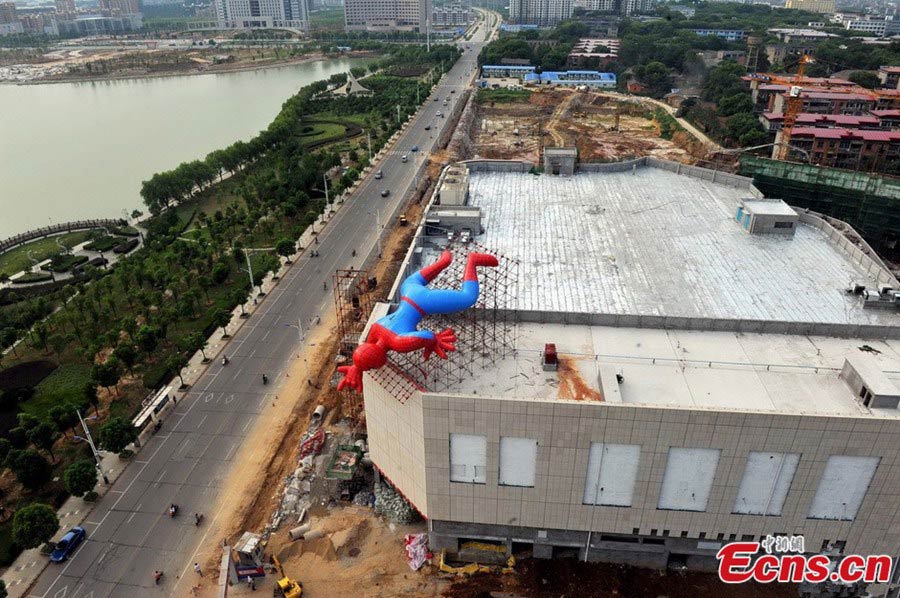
663	362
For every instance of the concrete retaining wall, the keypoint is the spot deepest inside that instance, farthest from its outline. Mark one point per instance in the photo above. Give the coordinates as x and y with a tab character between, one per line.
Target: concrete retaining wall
56	229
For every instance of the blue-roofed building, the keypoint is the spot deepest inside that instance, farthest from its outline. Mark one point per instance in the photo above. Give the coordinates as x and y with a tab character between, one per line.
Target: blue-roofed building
507	28
499	71
573	78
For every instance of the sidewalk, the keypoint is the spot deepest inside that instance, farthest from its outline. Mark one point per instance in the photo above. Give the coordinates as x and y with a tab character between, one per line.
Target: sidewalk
31	563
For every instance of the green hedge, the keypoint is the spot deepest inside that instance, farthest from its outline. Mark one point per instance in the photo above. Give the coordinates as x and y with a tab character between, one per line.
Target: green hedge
104	243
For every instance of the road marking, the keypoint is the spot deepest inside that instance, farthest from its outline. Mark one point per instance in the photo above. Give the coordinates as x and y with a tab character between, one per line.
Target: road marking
132	516
247	423
231	450
266	335
238	374
202	420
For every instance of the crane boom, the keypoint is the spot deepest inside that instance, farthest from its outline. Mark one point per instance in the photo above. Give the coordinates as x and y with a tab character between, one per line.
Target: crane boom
793	105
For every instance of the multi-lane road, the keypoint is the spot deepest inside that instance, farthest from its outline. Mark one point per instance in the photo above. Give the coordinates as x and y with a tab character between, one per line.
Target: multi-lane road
129	533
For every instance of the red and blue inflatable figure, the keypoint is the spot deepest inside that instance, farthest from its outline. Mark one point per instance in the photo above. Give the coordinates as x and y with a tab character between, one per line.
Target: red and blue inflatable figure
399	331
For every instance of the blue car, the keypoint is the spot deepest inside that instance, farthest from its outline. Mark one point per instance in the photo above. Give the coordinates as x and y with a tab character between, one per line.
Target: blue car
415	148
68	544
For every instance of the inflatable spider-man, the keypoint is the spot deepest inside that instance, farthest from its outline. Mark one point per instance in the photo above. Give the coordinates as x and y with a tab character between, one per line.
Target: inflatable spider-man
399	331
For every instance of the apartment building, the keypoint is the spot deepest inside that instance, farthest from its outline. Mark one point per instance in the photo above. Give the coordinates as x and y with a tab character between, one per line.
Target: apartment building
386	15
772	121
853	149
663	362
455	14
262	14
876	27
889	76
543	13
7	12
829	102
731	35
820	6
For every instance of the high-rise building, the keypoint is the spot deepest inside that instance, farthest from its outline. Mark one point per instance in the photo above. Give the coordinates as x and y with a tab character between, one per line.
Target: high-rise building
65	7
543	13
7	12
625	7
116	8
386	15
821	6
263	14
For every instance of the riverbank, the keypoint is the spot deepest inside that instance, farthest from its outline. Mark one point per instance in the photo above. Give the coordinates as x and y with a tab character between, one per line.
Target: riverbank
211	69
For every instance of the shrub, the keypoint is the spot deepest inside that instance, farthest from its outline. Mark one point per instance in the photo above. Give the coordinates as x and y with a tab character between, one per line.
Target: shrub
91	496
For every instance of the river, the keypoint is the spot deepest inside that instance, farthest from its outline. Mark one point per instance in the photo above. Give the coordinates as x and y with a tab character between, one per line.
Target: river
80	150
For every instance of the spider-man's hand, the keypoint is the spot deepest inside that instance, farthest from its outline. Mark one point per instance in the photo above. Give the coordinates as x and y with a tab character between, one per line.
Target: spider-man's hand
444	342
352	378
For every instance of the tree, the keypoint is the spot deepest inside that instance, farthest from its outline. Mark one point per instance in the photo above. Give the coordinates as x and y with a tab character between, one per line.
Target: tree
106	374
30	468
221	319
5	448
745	130
34	525
63	415
116	434
44	436
735	104
3	592
220	272
147	338
89	392
8	338
865	79
655	75
81	477
127	354
285	248
175	363
195	341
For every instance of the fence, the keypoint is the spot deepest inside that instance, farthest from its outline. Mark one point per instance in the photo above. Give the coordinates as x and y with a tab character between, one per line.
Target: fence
65	227
706	174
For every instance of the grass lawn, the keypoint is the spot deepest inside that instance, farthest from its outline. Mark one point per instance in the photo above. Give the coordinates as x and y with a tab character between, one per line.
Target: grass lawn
324	131
64	384
16	260
503	95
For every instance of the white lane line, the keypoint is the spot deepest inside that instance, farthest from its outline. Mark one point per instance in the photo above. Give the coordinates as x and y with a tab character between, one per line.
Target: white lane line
203	420
238	374
230	451
266	335
244	429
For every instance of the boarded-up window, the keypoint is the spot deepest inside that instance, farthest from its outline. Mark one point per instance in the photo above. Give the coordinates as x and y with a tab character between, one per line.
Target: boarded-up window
611	473
468	458
517	459
688	479
766	482
843	486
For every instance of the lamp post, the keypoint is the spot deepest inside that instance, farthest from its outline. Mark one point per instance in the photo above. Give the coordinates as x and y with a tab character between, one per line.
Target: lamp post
90	441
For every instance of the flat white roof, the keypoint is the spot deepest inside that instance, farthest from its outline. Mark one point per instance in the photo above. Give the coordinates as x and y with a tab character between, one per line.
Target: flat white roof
655	242
683	369
773	207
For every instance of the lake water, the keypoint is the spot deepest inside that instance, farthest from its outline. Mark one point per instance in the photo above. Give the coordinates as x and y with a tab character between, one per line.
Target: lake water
80	150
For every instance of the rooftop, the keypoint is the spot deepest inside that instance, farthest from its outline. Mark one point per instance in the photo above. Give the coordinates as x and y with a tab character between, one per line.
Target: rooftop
848	134
654	242
844	119
789	374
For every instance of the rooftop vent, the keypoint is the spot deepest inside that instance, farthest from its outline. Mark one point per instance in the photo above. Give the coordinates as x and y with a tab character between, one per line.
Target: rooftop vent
868	383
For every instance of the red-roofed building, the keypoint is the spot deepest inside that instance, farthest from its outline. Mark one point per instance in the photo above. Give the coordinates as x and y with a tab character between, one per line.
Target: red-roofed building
772	122
890	119
854	149
829	102
889	76
888	99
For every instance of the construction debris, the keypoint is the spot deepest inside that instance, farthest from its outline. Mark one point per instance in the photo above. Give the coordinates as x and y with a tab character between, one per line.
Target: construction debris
416	550
394	507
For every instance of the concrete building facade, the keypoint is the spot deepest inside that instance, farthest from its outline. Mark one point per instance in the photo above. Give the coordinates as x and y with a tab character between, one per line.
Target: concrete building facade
820	6
681	416
262	14
543	13
386	15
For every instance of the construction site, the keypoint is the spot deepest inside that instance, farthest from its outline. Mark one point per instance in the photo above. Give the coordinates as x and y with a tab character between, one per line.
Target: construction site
617	392
603	127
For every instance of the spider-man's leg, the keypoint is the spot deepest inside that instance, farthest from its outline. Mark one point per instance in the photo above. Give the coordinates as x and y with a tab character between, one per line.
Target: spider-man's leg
433	301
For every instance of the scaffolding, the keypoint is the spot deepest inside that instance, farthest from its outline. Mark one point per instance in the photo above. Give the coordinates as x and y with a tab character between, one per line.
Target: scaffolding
868	202
485	333
353	292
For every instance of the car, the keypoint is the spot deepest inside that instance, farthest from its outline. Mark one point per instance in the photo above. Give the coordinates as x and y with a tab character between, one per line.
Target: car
439	113
414	148
452	91
385	192
427	127
404	158
436	99
379	174
67	544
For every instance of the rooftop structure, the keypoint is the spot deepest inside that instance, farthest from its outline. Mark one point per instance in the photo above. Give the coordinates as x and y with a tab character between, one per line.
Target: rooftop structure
262	14
772	121
572	78
820	6
588	52
678	379
386	15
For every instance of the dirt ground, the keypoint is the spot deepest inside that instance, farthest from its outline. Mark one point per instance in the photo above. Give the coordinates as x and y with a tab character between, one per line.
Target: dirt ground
603	128
271	447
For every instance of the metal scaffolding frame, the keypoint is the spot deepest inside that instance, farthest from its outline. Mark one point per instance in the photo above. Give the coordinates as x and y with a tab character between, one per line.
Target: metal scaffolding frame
353	292
485	333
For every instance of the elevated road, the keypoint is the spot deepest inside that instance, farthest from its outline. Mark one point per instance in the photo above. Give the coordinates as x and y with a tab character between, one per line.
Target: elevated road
129	534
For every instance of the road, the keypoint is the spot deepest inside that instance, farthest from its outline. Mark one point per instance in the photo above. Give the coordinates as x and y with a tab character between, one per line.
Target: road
129	533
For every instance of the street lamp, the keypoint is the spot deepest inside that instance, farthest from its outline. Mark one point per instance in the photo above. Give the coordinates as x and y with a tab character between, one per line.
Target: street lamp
90	441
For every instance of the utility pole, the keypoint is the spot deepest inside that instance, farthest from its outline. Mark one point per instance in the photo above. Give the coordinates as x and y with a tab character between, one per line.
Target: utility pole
428	35
325	181
250	270
378	229
398	113
369	142
87	436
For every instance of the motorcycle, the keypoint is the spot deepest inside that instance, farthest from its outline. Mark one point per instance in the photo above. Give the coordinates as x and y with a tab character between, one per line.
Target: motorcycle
157	575
224	361
265	379
173	510
198	517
